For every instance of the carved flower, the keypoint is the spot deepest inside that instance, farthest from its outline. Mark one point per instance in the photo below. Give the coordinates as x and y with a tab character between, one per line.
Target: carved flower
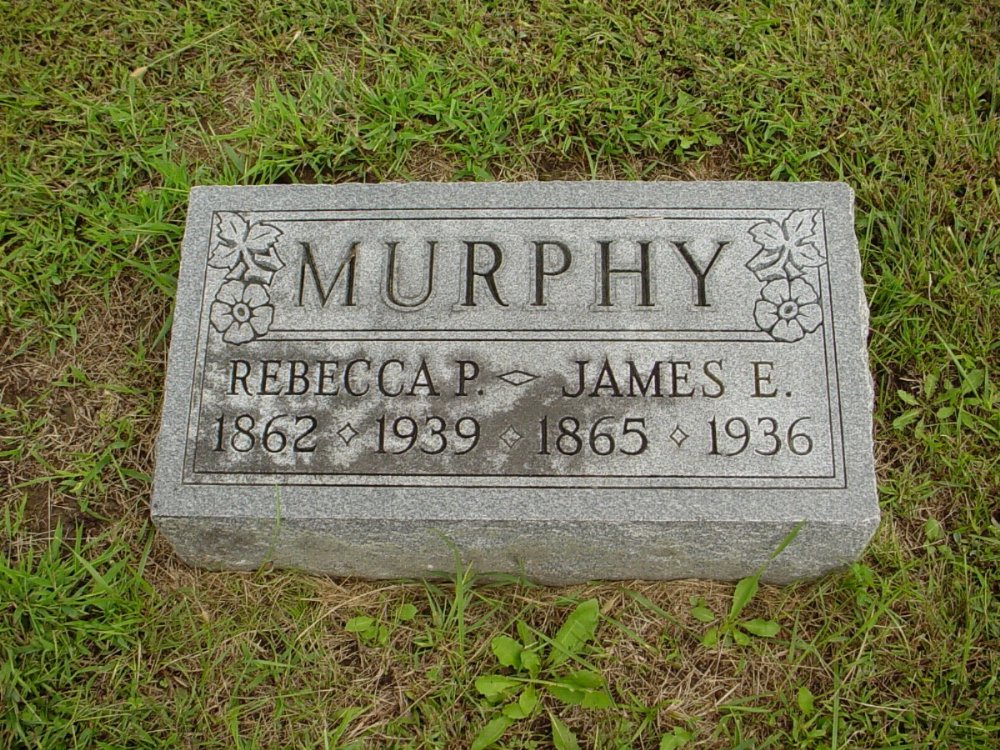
788	309
786	248
247	249
241	312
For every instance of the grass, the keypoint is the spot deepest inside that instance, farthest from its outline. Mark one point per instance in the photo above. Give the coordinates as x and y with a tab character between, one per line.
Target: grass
109	112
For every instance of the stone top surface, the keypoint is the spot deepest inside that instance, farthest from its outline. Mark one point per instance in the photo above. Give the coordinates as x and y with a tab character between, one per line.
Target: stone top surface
546	351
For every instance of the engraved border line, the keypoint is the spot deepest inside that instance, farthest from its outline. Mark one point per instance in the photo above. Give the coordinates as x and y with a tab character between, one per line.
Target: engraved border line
201	354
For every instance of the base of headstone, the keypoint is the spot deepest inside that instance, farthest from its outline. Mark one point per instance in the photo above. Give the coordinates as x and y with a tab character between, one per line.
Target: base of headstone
551	553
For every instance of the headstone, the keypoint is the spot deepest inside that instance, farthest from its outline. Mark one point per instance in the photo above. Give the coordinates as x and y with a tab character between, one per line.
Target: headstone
565	381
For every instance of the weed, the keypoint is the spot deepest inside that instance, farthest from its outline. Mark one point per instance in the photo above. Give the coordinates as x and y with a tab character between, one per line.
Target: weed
535	663
374	633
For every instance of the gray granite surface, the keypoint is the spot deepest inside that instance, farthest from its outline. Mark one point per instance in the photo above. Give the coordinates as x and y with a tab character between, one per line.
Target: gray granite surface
564	380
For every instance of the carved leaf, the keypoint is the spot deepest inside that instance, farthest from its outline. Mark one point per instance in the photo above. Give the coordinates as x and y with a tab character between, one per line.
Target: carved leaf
257	273
238	271
769	263
232	229
805	250
260	238
263	265
769	235
269	259
226	251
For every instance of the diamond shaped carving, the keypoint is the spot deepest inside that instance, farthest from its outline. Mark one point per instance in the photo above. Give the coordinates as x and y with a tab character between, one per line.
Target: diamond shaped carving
517	377
679	436
510	436
347	433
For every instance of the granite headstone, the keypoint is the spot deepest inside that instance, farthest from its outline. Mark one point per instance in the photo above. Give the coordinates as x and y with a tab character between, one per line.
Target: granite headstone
566	381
